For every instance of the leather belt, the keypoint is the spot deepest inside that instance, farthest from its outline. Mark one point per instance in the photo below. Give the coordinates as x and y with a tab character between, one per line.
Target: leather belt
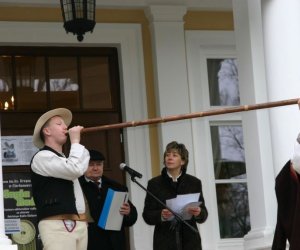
77	217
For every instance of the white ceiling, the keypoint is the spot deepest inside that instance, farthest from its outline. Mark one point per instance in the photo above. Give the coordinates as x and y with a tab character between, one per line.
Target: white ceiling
190	4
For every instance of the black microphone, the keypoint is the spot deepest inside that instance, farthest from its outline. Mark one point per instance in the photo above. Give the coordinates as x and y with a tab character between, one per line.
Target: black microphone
130	171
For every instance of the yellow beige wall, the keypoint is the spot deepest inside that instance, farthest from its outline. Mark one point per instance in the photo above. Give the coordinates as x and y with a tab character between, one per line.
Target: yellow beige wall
193	20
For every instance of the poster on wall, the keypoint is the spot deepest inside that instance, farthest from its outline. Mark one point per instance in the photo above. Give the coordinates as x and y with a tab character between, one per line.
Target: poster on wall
17	150
19	210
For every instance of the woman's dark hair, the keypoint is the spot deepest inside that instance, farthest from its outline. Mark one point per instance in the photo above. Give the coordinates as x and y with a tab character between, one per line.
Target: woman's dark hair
180	149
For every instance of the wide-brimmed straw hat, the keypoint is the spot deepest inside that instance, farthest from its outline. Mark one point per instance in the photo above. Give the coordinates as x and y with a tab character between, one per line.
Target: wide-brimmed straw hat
64	113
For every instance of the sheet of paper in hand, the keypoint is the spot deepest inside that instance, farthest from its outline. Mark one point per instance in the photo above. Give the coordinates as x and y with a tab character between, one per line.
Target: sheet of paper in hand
184	212
182	202
110	218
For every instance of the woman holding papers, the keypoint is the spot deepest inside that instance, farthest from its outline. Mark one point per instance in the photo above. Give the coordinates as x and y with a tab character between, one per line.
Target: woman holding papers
95	187
174	182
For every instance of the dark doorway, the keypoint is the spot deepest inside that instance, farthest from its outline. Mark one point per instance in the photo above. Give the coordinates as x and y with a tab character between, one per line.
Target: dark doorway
84	80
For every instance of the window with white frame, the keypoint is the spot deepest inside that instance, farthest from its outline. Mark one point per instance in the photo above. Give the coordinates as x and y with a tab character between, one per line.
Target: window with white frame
219	142
228	150
230	180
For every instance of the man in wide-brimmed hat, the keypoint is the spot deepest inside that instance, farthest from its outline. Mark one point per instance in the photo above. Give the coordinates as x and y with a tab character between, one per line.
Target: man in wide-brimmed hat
56	190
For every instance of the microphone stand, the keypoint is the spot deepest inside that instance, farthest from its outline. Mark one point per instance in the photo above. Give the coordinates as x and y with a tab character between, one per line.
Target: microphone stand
177	216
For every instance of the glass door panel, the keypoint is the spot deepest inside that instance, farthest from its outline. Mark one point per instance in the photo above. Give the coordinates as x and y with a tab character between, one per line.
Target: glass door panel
6	89
30	83
96	91
63	82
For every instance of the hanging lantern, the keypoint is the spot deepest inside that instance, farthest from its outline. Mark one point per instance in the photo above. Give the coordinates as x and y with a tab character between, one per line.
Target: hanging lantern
79	16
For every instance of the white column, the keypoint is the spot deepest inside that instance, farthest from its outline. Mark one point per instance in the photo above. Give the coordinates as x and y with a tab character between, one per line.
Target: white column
5	242
256	124
281	23
171	83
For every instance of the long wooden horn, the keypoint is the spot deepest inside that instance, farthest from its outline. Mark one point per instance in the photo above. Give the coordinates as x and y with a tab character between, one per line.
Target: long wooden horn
192	115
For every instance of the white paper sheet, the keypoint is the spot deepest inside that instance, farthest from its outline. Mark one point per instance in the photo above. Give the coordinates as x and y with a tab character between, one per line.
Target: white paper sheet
182	202
110	218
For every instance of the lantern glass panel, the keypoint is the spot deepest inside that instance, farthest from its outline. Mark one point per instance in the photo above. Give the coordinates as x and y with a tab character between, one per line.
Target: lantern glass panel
68	14
79	8
90	10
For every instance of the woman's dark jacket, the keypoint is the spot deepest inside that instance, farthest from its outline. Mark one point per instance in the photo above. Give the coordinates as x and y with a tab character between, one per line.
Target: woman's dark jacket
164	188
97	237
287	187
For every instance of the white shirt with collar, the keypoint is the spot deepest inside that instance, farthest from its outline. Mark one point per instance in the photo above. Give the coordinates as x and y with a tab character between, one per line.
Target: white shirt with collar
49	164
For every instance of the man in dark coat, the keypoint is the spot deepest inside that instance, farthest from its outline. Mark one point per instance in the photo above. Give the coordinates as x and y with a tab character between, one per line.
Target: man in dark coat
95	187
287	189
170	234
